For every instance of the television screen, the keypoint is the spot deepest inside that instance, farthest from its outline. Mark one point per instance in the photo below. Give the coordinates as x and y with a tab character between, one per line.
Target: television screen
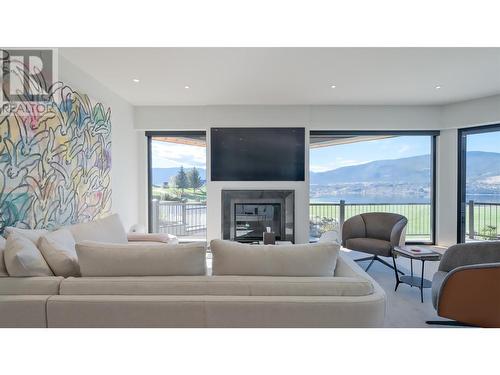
257	154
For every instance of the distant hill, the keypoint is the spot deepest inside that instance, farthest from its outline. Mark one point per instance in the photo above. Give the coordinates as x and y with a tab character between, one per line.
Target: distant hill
161	175
482	166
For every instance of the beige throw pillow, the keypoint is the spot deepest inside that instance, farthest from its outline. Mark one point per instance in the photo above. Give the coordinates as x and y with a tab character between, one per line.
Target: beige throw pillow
108	229
140	259
58	249
23	259
233	258
32	234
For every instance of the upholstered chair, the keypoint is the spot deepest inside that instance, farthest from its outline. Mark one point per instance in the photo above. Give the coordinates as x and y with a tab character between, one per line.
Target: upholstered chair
375	233
466	287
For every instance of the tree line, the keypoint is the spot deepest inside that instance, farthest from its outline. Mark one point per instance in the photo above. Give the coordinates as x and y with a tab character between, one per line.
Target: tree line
188	180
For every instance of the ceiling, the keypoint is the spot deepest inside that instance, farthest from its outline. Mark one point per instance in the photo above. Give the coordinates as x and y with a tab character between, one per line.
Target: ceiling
292	76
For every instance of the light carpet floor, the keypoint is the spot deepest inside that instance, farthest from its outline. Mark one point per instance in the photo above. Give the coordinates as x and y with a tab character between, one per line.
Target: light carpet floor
404	309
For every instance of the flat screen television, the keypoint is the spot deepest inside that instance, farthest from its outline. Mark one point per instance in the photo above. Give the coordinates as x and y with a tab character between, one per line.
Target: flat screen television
257	154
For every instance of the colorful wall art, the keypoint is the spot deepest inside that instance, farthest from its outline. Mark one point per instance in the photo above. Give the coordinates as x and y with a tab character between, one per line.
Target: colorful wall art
55	161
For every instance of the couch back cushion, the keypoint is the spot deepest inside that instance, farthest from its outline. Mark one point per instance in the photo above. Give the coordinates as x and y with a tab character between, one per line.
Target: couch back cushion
379	224
58	249
22	258
108	229
233	258
141	259
3	270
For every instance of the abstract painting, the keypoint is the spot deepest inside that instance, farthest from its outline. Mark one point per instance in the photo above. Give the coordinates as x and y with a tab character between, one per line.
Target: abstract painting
55	163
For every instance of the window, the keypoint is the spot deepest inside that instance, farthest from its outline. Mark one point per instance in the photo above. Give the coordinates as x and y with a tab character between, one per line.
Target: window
479	183
177	184
358	172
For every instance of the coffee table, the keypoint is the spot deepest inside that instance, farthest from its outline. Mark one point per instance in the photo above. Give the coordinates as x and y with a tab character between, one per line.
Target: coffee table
411	280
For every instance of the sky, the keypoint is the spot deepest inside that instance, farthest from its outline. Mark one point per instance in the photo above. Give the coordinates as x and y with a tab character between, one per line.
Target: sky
489	142
333	157
168	155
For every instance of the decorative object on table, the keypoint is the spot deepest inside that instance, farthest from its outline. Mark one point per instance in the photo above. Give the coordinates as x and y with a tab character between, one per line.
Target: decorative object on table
417	253
376	233
269	237
466	287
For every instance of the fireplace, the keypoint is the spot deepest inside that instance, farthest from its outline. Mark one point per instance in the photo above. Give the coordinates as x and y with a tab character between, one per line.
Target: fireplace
247	213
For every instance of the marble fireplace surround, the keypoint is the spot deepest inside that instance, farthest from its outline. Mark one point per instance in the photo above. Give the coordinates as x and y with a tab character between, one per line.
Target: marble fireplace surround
256	196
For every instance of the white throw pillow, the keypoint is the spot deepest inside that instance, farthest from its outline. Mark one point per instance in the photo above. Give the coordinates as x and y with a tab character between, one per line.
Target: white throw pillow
23	259
58	249
3	270
233	258
141	259
108	229
32	234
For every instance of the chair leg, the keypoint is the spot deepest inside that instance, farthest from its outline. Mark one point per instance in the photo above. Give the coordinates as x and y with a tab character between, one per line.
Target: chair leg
363	259
373	260
452	323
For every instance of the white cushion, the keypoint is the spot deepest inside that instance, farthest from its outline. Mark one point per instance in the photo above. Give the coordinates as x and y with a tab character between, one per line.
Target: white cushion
3	270
108	229
22	258
140	259
153	237
58	249
233	258
31	234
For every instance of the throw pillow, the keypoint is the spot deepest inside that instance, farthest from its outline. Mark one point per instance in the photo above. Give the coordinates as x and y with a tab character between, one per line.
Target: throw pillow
3	270
32	234
58	249
22	258
108	229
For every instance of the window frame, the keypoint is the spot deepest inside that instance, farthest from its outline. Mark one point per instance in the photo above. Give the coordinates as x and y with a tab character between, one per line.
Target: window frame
162	133
462	134
432	133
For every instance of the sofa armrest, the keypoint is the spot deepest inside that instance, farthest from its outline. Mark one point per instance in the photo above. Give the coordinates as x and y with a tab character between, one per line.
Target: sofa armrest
471	294
470	253
152	237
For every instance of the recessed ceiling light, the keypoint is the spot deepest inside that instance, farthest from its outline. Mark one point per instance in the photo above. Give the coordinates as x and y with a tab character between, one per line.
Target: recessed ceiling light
438	87
136	80
333	86
187	87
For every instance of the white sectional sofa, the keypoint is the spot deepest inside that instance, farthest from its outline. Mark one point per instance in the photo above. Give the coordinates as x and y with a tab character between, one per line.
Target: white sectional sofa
234	296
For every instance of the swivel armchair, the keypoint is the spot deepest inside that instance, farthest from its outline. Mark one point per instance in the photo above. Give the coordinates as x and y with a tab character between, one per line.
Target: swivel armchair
466	287
375	233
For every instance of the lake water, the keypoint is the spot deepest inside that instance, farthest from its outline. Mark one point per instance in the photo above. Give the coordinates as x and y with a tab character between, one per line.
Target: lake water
357	198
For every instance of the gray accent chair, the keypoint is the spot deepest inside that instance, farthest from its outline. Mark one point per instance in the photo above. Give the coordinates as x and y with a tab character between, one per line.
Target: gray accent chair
375	233
466	287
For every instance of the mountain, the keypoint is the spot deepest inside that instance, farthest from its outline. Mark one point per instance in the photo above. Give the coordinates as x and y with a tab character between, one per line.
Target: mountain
481	167
414	169
161	175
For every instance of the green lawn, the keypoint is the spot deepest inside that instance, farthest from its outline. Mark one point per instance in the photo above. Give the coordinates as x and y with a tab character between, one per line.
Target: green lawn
170	193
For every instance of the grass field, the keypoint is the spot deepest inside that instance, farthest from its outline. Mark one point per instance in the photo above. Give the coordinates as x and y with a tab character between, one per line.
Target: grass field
168	194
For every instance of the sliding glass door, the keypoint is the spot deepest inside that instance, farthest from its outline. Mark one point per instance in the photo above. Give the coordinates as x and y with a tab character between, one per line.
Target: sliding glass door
177	184
479	183
358	172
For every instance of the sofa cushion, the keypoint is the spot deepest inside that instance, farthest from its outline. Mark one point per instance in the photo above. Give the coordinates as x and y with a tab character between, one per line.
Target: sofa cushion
22	258
141	259
370	245
108	229
58	249
233	258
218	285
3	269
31	234
153	237
45	285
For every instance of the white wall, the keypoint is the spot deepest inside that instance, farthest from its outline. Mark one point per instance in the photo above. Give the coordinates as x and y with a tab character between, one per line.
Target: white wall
471	113
124	142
